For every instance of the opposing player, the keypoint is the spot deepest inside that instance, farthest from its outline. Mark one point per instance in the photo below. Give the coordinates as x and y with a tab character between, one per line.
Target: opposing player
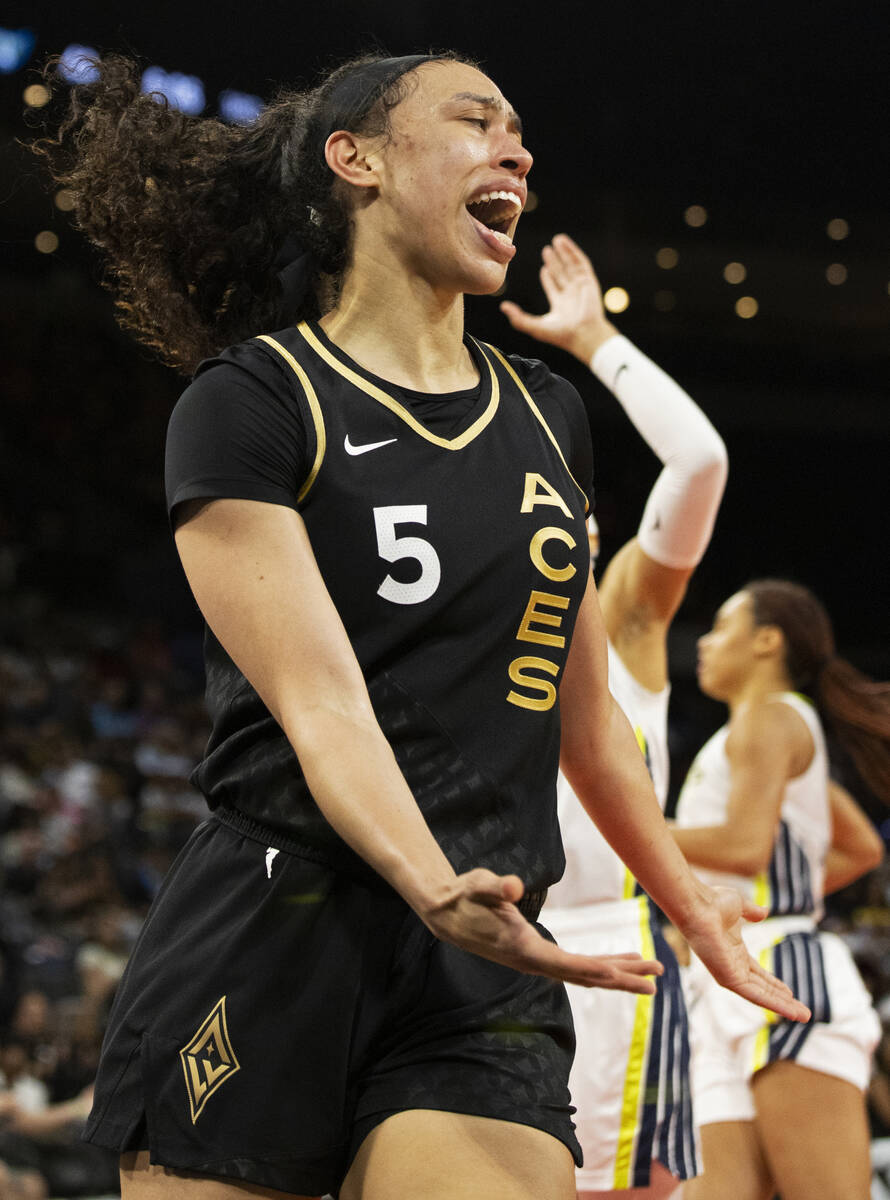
782	1106
630	1078
341	985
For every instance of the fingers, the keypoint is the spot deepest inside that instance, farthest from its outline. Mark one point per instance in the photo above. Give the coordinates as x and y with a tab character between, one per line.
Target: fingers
614	972
752	911
620	973
487	888
780	997
556	267
518	317
773	993
567	260
552	290
776	1001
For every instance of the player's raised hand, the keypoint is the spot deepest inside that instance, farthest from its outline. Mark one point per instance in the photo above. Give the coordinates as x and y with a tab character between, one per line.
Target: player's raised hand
576	320
480	915
716	937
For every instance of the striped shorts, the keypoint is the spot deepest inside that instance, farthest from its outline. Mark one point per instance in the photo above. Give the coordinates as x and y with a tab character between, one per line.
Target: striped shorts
733	1039
630	1079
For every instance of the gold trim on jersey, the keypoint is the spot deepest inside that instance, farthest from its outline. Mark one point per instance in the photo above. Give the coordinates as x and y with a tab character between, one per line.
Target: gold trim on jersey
394	406
635	1074
314	408
540	416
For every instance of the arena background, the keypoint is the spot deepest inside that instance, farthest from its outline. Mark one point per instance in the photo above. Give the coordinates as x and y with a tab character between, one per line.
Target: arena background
674	142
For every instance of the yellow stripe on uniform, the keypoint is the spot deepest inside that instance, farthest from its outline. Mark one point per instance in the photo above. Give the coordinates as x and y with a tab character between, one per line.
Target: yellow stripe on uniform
635	1075
525	392
314	408
761	1042
762	893
630	884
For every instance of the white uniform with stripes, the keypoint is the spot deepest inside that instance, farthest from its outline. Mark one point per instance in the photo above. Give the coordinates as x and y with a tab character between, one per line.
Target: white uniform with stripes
629	1081
731	1038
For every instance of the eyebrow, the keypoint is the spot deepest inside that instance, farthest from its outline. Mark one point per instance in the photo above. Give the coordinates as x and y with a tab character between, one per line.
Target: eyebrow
493	102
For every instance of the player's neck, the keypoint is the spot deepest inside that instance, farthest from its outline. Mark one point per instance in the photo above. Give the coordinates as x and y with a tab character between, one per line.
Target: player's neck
764	682
396	326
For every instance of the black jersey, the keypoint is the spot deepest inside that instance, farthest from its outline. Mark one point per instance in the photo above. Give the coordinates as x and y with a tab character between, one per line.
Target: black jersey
456	560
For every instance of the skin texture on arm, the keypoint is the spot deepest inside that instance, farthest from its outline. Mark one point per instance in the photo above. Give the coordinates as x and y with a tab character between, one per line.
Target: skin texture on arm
603	765
254	576
768	744
856	846
639	598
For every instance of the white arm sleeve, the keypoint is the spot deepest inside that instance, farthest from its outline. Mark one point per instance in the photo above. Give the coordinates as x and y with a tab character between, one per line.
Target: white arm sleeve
682	506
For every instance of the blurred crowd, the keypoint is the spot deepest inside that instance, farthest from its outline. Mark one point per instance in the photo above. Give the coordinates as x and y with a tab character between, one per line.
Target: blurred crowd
100	726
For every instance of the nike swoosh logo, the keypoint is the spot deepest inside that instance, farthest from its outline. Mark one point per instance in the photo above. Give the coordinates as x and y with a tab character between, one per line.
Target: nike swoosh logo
623	367
350	449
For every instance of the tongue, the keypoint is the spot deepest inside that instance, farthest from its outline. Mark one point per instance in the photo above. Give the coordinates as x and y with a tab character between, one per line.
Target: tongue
491	212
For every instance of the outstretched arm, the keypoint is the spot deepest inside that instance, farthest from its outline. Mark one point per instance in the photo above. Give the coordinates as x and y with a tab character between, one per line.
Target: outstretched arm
602	763
856	846
646	580
255	578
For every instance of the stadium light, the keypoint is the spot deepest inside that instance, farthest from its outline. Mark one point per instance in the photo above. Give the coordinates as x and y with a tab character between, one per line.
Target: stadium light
183	92
240	108
77	64
16	47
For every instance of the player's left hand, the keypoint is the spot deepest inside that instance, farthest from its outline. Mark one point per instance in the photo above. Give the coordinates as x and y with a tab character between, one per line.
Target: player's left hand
715	934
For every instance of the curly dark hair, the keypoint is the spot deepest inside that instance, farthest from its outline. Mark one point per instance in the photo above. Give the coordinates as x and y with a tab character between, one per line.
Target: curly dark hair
190	214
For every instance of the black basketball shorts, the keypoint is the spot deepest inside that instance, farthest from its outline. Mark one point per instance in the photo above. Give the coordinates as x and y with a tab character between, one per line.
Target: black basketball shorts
274	1012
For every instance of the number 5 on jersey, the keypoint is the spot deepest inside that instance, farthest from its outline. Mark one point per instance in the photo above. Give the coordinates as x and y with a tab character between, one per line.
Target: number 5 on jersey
392	548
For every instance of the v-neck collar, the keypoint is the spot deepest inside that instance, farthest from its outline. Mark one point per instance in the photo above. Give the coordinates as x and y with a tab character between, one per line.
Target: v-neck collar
381	391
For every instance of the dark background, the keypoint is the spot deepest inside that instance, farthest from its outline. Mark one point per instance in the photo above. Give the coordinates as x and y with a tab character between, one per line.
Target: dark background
774	117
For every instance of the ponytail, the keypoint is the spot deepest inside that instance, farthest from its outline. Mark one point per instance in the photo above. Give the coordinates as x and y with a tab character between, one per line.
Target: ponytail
187	213
195	219
855	707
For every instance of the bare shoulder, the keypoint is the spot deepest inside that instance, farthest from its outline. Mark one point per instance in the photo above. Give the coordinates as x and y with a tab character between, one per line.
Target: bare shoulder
770	729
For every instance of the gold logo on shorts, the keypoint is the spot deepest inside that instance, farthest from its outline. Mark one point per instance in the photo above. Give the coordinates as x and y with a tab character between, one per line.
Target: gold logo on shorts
208	1060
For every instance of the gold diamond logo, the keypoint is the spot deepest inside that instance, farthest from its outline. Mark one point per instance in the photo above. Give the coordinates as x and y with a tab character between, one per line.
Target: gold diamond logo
208	1060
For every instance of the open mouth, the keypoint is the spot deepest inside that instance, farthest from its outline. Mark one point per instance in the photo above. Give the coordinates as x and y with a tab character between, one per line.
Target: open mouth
498	212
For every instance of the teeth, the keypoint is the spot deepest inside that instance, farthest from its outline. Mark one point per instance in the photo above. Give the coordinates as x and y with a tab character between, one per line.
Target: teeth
502	237
509	196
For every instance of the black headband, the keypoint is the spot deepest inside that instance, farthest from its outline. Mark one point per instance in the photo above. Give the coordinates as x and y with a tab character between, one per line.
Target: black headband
353	96
349	102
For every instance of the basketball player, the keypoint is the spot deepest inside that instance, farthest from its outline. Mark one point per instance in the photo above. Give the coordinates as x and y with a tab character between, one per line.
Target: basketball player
341	986
782	1106
630	1078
